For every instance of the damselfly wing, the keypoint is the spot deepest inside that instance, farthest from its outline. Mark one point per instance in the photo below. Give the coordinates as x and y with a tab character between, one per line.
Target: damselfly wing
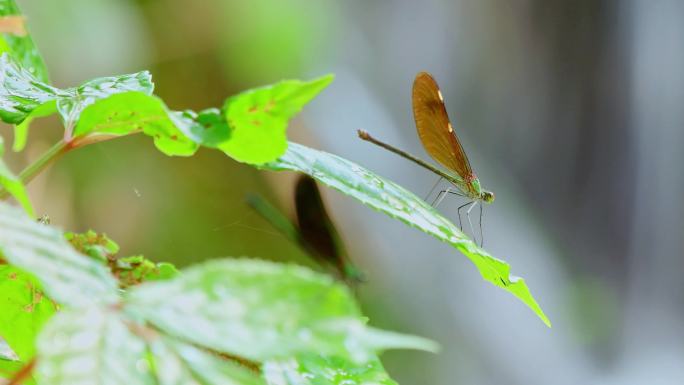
318	233
439	139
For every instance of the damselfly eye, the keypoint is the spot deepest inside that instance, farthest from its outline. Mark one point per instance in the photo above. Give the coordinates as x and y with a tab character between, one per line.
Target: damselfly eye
488	196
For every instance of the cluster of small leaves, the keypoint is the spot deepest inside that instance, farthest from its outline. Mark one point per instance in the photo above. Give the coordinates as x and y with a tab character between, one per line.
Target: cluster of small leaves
129	271
249	128
180	330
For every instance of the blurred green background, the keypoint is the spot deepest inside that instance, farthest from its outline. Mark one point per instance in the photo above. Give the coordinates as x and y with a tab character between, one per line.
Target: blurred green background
569	111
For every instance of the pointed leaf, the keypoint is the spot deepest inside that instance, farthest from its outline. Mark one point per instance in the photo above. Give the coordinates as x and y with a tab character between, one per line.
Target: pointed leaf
262	310
128	112
67	276
258	118
397	202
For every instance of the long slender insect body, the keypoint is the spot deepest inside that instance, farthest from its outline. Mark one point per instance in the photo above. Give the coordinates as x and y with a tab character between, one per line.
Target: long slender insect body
469	188
439	139
449	177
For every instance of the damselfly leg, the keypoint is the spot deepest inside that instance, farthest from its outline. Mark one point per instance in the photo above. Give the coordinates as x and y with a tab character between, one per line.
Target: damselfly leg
432	189
471	204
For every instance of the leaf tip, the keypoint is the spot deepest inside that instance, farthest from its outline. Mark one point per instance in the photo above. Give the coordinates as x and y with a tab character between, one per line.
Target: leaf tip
323	81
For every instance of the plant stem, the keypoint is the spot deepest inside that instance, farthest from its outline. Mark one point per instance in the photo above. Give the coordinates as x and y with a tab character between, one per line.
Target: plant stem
23	374
57	150
34	168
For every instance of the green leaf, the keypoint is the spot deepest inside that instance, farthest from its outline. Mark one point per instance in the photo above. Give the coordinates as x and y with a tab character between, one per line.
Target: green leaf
129	271
12	184
262	310
21	93
101	346
67	276
207	127
179	363
24	310
397	202
125	113
92	346
24	97
258	118
319	370
70	108
21	46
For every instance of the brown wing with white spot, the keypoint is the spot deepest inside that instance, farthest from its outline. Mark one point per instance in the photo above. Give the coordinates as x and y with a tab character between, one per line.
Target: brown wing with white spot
434	128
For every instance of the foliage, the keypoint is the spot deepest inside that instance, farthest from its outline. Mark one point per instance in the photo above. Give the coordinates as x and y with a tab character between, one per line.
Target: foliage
259	117
257	310
129	271
127	319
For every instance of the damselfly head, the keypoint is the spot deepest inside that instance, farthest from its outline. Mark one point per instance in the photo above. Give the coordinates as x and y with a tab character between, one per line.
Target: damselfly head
487	196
